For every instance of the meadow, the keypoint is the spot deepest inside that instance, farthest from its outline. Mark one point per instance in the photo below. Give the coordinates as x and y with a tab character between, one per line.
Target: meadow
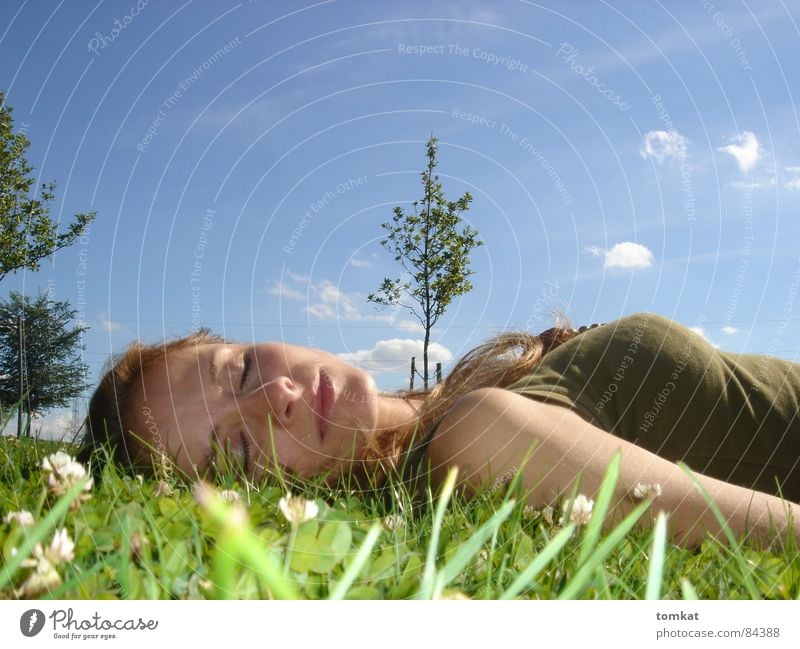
160	537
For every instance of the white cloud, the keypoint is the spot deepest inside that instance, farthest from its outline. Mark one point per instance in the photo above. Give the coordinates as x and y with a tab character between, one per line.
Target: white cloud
108	325
794	181
745	149
56	424
394	355
301	279
408	325
597	252
664	145
729	330
628	255
336	304
360	263
321	311
279	288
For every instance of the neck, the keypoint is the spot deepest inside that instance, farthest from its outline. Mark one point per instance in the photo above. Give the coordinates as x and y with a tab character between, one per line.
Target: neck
394	412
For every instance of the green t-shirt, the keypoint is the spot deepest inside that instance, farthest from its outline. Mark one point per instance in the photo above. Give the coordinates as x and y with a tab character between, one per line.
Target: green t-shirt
656	383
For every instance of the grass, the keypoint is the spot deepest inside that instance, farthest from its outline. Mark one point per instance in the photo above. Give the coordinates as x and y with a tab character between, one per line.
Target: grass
192	544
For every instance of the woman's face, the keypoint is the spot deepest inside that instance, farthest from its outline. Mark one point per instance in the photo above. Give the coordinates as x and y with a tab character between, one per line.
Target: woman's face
219	395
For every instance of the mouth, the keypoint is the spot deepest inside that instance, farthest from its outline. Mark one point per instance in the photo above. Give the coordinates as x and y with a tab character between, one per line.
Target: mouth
326	395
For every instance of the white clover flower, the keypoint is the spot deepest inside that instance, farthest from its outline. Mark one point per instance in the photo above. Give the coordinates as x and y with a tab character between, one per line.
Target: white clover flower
57	462
44	561
23	517
297	509
546	512
394	522
64	472
229	495
61	548
43	578
642	491
581	510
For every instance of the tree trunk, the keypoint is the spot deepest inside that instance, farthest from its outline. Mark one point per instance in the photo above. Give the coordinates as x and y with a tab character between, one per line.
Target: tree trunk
425	354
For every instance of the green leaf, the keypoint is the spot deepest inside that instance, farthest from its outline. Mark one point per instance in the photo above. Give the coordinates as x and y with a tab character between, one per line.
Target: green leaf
305	552
340	589
524	553
336	538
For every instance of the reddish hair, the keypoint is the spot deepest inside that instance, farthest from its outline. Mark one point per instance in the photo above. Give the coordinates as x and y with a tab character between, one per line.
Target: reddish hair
110	423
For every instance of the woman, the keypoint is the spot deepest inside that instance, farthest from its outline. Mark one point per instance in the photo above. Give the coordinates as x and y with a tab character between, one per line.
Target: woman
642	385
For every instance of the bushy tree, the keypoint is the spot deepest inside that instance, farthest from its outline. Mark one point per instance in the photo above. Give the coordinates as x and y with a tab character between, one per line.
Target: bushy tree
52	370
430	247
27	234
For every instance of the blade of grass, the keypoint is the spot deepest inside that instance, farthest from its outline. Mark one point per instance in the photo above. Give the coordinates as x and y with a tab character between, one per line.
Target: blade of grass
602	502
583	575
687	590
123	561
238	541
538	564
735	548
472	546
655	570
341	588
223	568
429	572
40	531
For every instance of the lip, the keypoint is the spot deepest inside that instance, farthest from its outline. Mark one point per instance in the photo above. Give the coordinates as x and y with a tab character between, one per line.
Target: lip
325	398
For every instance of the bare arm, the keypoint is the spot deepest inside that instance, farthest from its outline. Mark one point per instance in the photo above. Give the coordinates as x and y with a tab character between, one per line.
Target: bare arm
489	431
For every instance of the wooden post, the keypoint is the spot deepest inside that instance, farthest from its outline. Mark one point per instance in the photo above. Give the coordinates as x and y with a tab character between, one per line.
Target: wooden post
438	372
413	370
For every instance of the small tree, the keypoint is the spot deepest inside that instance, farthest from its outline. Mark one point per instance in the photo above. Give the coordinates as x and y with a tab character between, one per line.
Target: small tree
27	235
430	248
52	370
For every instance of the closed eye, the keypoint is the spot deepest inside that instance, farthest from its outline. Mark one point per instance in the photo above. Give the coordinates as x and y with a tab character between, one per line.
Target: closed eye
246	358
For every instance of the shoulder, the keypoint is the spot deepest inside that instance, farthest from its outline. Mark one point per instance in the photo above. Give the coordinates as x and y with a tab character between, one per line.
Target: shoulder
482	411
461	435
489	423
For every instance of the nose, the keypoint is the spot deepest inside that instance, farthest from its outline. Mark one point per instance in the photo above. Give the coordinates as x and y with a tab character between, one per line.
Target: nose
277	397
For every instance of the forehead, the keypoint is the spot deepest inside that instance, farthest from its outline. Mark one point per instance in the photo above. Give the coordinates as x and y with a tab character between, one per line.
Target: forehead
172	397
177	365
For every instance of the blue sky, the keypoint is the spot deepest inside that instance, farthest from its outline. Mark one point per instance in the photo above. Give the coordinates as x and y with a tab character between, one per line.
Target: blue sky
241	157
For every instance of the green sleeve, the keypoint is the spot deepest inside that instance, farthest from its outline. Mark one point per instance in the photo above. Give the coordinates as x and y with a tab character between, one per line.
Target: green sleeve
656	383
